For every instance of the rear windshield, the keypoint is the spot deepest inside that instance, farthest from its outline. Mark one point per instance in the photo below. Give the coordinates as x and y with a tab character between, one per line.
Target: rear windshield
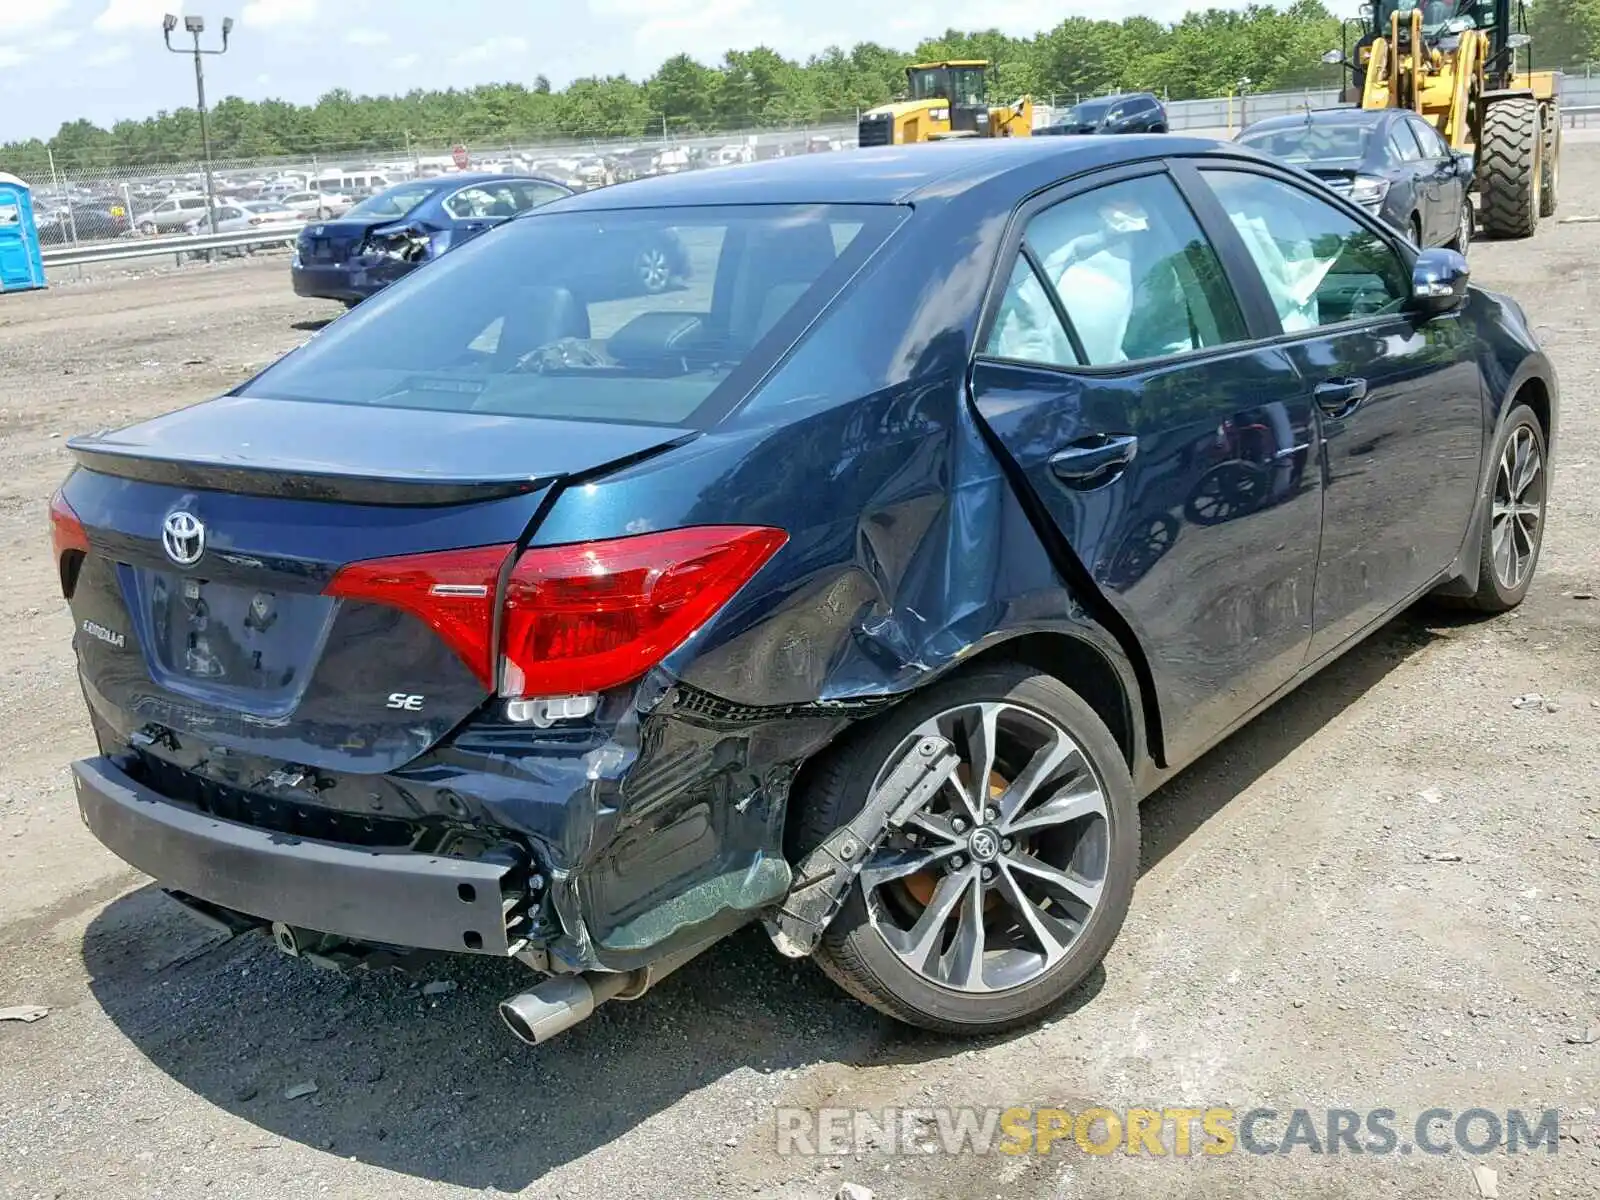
650	315
1317	143
396	202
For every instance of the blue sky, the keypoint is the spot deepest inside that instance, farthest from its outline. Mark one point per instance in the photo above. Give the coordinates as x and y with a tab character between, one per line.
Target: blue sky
104	59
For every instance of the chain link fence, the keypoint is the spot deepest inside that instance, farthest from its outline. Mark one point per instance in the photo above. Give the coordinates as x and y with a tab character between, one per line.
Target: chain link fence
84	205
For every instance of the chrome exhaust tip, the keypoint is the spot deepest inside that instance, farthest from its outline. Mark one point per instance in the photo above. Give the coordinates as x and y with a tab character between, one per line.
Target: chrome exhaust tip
553	1007
562	1001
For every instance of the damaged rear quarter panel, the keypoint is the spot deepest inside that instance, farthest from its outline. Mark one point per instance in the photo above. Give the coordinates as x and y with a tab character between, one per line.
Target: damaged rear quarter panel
907	553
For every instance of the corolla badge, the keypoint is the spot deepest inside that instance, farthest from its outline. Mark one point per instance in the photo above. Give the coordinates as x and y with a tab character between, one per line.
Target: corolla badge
184	538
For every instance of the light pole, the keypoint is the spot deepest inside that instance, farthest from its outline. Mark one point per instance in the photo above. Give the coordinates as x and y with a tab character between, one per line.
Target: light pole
196	26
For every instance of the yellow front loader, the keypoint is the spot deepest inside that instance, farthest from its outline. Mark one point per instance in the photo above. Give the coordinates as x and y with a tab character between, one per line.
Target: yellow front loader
947	100
1456	66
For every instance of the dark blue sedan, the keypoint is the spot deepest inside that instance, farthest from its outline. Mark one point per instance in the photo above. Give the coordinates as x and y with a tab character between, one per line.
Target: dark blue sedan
1393	163
389	235
863	586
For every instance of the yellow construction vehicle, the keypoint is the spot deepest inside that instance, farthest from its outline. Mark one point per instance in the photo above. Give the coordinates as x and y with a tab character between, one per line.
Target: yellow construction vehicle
948	100
1456	66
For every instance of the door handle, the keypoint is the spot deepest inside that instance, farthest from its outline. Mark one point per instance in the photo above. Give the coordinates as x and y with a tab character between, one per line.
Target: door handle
1340	397
1092	460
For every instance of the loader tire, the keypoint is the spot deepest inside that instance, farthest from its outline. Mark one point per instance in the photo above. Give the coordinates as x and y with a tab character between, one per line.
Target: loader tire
1550	162
1509	168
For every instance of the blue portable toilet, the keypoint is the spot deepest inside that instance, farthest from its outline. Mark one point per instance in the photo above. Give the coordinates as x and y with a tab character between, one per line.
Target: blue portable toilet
20	267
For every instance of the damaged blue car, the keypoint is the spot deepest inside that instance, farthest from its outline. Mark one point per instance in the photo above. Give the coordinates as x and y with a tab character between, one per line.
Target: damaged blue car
861	587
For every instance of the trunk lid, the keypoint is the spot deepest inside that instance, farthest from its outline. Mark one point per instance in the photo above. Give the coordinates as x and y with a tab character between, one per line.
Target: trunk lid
327	242
214	532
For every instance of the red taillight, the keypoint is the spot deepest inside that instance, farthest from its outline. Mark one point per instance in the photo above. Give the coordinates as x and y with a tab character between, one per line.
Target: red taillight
66	531
587	617
578	618
452	590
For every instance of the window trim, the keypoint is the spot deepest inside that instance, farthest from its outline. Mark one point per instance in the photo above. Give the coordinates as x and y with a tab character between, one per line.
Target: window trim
1014	244
1219	228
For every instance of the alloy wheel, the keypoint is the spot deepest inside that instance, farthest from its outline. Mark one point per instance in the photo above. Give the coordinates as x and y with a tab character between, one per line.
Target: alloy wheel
1518	513
994	878
654	270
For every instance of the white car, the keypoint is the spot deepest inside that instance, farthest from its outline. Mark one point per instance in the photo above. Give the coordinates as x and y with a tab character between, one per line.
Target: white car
264	215
316	206
172	215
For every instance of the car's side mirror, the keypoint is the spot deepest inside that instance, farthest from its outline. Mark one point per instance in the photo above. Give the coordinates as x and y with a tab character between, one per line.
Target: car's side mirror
1438	282
1466	163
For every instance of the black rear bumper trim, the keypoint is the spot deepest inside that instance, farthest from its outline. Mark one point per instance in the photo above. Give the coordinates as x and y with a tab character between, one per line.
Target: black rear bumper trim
396	897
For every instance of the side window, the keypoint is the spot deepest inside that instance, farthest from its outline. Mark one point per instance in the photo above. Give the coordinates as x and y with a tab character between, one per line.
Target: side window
532	195
1026	327
1403	143
1433	146
1320	266
1133	273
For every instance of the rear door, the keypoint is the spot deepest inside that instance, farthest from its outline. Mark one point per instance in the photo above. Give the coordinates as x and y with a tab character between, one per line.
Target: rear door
1399	401
1166	455
1446	187
1413	173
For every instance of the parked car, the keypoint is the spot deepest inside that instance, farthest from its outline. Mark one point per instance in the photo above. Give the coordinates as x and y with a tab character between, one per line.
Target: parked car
384	238
318	206
1128	112
264	215
172	214
865	593
83	225
1390	161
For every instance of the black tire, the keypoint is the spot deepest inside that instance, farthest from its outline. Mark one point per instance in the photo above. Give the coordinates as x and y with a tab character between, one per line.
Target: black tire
1550	162
1464	228
1495	594
1509	168
1416	231
853	953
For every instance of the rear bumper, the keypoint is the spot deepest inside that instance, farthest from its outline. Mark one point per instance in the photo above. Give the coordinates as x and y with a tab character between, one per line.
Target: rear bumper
396	897
332	283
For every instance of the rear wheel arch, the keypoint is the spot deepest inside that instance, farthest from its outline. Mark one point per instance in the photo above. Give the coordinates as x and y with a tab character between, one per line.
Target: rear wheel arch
1075	661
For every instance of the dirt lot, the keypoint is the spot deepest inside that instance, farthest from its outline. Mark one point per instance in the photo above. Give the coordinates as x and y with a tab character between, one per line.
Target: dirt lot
1382	894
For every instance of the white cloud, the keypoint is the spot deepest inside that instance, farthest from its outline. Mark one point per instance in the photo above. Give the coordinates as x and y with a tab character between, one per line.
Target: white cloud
59	40
108	56
405	62
278	12
367	37
122	15
489	51
10	56
35	13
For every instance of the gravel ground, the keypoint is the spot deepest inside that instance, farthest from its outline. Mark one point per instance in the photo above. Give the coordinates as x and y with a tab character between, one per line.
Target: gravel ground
1381	894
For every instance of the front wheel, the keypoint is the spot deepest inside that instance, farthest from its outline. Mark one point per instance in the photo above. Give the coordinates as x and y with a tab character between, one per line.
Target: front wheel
1007	888
1464	224
1513	523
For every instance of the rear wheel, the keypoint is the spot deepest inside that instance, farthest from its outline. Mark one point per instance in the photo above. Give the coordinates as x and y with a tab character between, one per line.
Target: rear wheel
1008	887
1464	224
1509	168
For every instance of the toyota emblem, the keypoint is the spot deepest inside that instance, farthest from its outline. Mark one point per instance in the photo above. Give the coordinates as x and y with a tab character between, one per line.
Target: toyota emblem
184	538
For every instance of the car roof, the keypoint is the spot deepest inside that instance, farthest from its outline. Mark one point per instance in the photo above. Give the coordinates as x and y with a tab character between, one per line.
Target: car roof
1327	116
887	174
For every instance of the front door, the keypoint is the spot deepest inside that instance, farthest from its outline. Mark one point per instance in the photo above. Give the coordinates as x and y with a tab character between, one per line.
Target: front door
1173	460
1398	400
16	256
